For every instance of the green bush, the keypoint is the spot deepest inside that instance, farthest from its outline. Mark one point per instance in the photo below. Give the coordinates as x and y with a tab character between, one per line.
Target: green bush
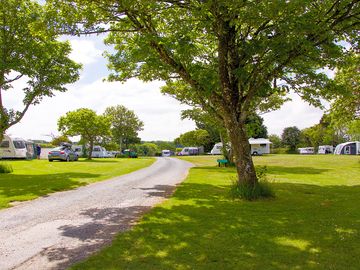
5	168
249	192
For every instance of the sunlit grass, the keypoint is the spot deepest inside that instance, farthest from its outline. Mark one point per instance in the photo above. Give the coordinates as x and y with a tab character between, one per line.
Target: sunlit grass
31	179
313	223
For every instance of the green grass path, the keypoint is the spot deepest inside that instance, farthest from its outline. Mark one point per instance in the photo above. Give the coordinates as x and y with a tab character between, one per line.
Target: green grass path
313	223
35	178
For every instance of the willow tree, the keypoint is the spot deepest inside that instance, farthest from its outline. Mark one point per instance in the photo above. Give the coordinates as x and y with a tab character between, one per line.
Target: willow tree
30	53
230	57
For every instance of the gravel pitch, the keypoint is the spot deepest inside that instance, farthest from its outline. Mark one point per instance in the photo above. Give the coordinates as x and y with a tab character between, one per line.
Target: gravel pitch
56	231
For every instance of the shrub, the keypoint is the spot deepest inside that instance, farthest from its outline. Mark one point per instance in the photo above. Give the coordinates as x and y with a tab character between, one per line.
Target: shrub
248	192
5	168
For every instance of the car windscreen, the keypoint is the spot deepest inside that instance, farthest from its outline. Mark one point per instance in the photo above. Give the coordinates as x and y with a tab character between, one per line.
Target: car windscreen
19	144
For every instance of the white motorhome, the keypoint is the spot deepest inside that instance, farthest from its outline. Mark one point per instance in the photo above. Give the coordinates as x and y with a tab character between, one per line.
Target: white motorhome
13	148
165	153
306	150
259	146
348	148
325	149
99	152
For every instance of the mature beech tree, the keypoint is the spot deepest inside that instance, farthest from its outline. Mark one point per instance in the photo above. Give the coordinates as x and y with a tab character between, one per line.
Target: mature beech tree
30	51
229	57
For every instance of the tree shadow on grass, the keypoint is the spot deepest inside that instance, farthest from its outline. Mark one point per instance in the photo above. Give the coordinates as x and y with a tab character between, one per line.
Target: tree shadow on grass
163	191
96	161
15	187
294	170
104	225
305	227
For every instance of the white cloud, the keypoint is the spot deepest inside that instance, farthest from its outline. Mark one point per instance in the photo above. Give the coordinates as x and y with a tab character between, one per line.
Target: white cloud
160	114
84	51
293	113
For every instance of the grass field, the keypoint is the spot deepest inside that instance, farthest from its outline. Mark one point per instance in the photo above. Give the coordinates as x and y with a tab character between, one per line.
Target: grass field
35	178
313	223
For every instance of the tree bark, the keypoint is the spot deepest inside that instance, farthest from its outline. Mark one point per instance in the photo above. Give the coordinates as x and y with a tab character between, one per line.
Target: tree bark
241	151
91	142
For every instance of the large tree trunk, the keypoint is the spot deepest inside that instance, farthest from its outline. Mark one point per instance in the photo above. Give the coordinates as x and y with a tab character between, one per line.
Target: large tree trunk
241	151
91	142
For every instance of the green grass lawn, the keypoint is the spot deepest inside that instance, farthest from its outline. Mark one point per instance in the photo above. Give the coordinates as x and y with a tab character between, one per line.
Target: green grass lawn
35	178
313	223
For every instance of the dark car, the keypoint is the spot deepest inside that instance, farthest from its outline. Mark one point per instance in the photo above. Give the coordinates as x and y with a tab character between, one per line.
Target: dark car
63	153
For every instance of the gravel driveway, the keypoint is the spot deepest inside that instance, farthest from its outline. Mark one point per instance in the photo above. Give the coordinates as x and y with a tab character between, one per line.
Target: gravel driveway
55	231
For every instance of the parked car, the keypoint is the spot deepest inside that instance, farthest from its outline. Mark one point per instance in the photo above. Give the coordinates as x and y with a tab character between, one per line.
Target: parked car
64	153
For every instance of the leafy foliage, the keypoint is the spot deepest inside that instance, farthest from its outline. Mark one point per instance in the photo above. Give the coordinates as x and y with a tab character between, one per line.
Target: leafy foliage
291	137
59	139
228	57
198	137
30	51
5	168
86	123
125	125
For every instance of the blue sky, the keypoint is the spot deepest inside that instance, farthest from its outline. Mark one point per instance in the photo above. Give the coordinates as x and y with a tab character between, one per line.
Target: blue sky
160	114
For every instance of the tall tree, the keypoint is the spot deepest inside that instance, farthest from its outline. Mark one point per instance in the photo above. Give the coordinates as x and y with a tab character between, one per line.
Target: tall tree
86	123
291	137
229	57
198	137
30	51
125	125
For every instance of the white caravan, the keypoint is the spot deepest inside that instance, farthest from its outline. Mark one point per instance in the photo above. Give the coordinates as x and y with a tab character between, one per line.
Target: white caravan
348	148
99	152
325	149
259	146
217	149
78	149
189	151
13	148
306	150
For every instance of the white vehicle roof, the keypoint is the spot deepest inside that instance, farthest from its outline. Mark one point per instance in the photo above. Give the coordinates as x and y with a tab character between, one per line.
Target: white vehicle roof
259	141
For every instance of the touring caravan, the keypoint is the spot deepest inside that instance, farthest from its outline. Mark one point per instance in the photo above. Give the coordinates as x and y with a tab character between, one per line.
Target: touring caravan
306	150
259	146
217	149
99	152
326	149
189	151
78	149
348	148
13	148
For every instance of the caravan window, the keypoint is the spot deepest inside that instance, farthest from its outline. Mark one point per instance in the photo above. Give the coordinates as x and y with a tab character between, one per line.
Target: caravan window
4	144
263	144
19	144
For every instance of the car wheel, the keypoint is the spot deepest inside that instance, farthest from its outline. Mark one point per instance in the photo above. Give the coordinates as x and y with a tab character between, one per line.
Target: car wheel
255	153
50	160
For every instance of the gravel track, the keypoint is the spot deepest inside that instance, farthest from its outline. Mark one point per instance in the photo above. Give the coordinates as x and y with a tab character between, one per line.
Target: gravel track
56	231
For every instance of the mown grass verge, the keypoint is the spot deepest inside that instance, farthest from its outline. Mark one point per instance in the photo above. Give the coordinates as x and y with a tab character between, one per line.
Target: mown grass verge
31	179
313	223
